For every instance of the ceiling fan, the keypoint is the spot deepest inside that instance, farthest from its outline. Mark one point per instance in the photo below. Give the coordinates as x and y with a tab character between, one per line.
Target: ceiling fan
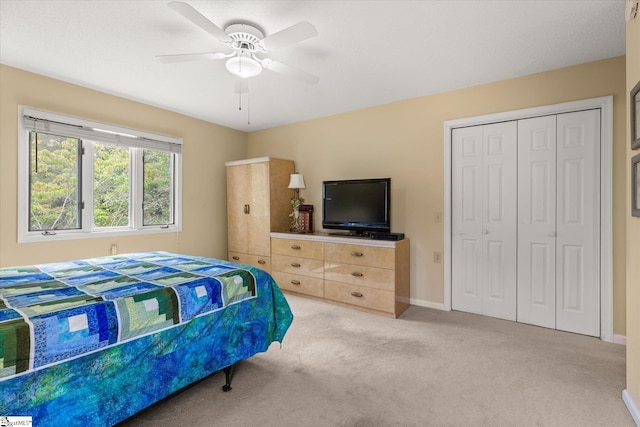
243	46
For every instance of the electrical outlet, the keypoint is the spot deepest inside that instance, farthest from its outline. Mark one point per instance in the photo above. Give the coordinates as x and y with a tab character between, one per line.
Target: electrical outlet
114	249
437	257
437	217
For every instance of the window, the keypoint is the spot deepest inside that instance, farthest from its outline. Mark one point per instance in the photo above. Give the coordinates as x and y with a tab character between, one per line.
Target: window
111	184
156	172
54	182
80	179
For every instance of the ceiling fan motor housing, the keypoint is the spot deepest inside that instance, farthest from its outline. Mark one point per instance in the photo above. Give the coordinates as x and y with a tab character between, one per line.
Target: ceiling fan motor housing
245	37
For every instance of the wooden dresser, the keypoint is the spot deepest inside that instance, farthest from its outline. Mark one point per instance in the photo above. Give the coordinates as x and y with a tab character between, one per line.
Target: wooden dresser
370	275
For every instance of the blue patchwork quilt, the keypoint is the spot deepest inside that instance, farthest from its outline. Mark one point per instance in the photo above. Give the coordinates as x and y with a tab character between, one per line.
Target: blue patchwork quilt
91	342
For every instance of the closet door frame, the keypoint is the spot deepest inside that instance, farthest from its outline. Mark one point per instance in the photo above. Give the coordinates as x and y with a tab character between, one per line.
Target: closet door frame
605	104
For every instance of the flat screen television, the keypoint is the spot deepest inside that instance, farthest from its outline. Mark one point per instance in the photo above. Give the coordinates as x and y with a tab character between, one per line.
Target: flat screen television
357	206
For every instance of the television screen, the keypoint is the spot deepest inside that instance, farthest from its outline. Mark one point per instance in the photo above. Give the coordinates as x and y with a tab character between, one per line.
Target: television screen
358	206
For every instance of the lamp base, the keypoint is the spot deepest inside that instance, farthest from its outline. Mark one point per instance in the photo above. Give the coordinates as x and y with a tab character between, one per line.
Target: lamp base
295	215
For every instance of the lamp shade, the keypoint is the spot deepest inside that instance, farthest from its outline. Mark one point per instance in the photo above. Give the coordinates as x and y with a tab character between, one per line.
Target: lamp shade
243	66
296	181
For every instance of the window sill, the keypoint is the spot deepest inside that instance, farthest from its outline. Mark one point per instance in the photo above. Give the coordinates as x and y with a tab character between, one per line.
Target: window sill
38	237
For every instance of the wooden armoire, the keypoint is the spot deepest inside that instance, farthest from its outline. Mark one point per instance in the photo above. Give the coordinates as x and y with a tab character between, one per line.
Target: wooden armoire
258	202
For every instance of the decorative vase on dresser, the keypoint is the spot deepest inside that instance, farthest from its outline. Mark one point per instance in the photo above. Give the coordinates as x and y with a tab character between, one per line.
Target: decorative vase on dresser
258	202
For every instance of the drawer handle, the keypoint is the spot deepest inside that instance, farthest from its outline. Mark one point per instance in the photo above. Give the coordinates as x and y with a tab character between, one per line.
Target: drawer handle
295	247
295	282
357	294
236	258
354	253
295	264
261	261
356	274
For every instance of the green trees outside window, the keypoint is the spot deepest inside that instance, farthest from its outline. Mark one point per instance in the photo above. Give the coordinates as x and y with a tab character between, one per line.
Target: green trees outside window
111	171
157	188
54	182
56	189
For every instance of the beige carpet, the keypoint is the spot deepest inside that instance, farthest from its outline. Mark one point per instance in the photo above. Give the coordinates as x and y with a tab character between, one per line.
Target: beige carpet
339	367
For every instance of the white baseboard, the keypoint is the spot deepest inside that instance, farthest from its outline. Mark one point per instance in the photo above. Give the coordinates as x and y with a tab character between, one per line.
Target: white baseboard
631	406
428	304
619	339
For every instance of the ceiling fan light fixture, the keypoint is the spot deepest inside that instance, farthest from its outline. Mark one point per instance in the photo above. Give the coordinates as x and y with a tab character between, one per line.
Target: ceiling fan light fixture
243	66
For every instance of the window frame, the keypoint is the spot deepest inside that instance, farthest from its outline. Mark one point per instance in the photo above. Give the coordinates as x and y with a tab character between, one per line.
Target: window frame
111	132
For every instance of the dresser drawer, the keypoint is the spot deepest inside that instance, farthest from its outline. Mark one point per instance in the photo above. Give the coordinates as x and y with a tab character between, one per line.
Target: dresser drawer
360	275
262	262
296	265
301	284
375	299
372	256
297	248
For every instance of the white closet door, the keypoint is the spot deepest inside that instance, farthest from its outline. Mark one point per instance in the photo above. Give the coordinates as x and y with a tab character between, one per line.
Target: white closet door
484	176
578	223
499	219
466	221
537	221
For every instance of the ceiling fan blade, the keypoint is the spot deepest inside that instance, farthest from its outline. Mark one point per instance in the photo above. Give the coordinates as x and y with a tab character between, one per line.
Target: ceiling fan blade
292	35
289	71
200	20
241	86
184	57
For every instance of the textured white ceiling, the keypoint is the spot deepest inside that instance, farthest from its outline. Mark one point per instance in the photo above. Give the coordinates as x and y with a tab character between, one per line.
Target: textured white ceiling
366	53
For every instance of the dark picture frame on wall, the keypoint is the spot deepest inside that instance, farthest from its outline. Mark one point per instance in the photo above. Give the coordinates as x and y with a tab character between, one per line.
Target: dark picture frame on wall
635	117
635	185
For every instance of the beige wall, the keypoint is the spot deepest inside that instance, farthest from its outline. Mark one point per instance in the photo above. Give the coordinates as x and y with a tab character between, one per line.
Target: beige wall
404	141
206	148
633	228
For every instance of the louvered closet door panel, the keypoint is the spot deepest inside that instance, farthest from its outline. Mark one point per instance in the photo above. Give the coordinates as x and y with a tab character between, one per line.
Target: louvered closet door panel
499	225
466	221
578	223
537	221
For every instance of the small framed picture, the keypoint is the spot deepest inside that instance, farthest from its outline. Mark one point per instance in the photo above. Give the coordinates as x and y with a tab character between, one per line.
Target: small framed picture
635	185
635	117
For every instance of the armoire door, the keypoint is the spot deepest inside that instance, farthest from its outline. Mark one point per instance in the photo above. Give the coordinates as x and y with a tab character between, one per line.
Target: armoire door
559	222
259	226
484	176
238	188
248	208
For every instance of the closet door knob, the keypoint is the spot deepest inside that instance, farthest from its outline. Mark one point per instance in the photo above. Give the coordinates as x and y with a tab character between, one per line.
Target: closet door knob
553	234
485	231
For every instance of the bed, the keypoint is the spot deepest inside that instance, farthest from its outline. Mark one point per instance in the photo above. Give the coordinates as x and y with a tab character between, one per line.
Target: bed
92	342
